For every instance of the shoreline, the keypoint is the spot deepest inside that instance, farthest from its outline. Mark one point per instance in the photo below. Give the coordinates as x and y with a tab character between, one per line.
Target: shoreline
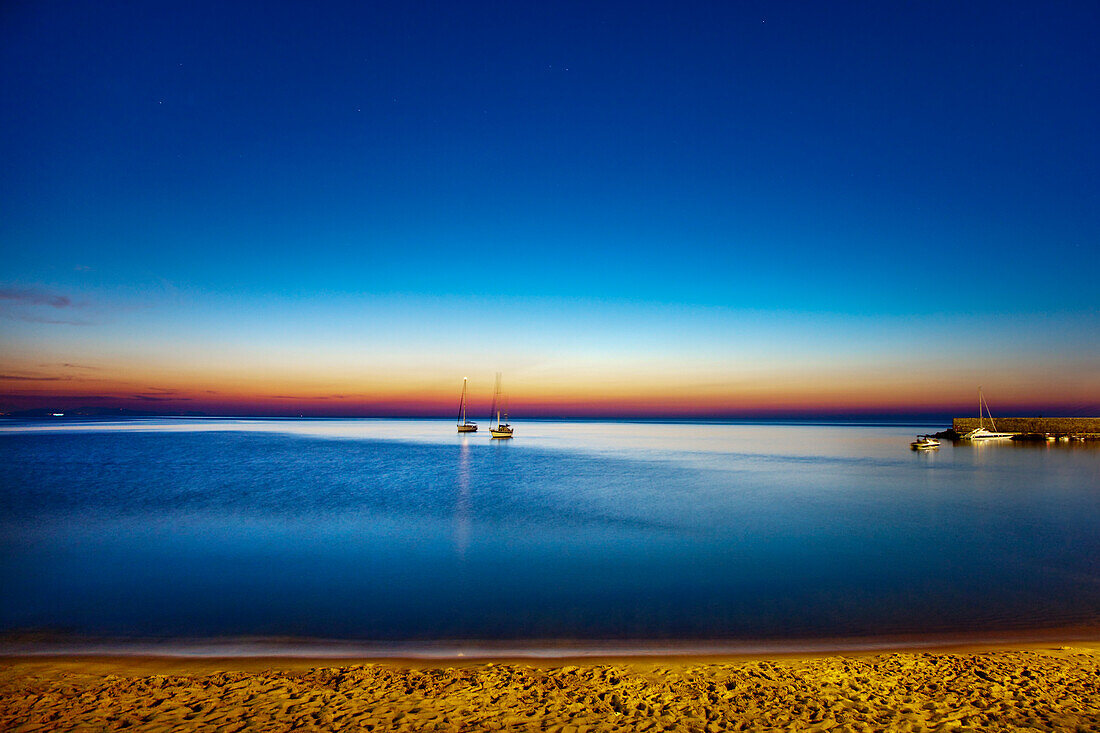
38	645
203	664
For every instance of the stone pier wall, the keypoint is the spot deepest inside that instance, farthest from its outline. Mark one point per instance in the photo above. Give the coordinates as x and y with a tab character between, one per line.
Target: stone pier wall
1057	425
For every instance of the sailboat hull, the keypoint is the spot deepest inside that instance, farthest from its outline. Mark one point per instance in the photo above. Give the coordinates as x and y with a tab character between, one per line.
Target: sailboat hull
500	433
467	428
980	434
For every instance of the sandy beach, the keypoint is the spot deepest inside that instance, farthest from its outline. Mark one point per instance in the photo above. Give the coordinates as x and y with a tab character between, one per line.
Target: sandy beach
1048	688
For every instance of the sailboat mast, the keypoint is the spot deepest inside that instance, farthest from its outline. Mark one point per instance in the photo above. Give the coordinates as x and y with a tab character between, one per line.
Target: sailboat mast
462	404
496	398
979	407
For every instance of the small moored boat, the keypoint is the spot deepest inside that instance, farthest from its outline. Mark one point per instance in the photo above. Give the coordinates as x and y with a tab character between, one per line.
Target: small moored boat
924	442
499	428
464	425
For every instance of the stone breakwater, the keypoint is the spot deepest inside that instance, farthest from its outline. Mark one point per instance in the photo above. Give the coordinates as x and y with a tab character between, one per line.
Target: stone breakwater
1051	690
1052	425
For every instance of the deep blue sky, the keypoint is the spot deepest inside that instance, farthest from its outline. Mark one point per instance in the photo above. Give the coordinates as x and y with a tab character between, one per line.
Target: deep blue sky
760	154
873	160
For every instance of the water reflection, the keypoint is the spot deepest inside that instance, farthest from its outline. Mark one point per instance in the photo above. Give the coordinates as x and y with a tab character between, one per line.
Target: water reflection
392	530
462	500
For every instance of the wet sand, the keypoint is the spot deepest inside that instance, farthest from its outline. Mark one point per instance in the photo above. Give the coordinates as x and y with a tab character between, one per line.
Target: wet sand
1038	688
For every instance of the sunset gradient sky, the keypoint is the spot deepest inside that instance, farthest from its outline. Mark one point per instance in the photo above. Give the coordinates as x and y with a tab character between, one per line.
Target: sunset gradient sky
631	209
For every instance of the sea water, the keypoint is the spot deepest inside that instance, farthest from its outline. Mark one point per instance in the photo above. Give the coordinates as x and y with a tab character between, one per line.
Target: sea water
399	533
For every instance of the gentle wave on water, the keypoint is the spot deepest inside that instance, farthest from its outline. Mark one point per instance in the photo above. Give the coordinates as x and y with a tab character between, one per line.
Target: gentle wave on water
403	532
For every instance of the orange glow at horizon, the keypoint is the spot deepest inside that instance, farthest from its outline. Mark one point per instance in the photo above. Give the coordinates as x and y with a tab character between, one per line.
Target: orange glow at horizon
642	391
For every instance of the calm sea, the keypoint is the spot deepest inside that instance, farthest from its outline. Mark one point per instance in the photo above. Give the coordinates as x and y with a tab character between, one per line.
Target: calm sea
403	535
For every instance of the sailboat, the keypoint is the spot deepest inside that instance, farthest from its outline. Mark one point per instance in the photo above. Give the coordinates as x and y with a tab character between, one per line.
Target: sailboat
464	425
502	429
980	433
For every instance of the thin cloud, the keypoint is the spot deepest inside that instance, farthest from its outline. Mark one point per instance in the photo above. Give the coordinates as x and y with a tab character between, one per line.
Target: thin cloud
310	398
67	365
32	296
159	398
39	319
21	378
25	397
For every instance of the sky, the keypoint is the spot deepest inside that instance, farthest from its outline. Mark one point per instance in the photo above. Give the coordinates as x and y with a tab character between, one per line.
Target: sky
629	209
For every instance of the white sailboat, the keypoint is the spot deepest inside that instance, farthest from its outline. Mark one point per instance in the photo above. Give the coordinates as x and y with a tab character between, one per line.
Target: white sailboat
464	425
502	429
980	433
